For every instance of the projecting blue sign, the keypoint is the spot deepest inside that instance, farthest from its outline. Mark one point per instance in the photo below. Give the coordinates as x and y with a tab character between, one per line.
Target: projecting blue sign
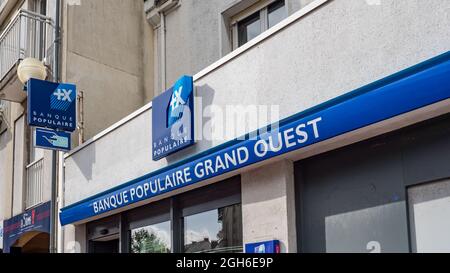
53	140
173	119
425	84
263	247
52	105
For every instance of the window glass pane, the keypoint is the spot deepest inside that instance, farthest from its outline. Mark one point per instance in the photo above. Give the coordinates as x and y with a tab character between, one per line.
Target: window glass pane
151	239
217	230
249	28
277	12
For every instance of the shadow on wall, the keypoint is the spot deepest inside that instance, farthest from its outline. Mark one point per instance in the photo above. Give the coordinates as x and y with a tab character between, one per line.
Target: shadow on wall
85	161
5	138
205	94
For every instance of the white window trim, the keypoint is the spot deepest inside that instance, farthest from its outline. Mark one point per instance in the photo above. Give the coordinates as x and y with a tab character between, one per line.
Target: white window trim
251	10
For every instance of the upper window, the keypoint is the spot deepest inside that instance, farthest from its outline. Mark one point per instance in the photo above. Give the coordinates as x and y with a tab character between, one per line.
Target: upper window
249	28
246	27
276	13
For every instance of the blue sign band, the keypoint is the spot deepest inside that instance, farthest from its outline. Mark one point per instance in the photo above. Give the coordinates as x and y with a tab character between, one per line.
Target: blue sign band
414	88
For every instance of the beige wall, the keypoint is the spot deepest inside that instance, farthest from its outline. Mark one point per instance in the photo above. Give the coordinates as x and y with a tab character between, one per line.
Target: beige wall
11	194
269	191
6	149
107	53
6	163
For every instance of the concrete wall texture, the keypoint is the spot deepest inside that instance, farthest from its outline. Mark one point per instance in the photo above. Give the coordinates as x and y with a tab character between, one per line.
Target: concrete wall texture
6	159
302	65
108	54
195	26
266	191
7	144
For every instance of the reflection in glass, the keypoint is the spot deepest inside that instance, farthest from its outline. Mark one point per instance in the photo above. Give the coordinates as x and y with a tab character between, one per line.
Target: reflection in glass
249	28
215	231
277	12
151	239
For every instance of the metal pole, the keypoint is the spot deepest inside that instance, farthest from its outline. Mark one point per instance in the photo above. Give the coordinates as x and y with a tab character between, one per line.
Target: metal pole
53	209
54	198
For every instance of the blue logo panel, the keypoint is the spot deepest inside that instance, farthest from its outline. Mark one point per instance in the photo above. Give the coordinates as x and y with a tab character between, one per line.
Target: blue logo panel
52	105
53	140
173	119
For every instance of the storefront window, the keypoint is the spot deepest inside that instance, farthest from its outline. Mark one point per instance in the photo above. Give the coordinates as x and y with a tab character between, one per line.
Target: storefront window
151	239
218	230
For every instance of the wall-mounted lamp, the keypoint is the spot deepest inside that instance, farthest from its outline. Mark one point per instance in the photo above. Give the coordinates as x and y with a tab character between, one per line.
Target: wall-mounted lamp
31	68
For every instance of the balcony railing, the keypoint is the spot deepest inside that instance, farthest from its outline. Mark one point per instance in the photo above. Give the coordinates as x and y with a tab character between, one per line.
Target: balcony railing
34	191
28	35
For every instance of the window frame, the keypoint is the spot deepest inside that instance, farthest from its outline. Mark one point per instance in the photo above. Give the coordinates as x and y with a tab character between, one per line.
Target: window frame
263	9
241	247
217	195
223	194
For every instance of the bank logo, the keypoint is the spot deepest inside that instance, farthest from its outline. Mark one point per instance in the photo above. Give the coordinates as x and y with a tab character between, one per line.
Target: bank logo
177	105
260	249
172	119
61	99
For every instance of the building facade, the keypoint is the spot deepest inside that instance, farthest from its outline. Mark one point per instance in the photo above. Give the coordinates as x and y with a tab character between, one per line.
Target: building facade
27	29
356	159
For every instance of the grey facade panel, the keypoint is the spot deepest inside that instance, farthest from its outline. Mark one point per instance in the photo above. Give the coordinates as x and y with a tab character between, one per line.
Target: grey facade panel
353	199
426	153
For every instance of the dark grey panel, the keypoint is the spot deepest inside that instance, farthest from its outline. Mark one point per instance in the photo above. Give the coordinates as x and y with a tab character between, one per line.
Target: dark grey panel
103	227
356	194
426	152
217	195
347	195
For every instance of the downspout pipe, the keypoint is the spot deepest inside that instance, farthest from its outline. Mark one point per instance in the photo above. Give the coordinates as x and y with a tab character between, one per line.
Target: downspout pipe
57	48
163	51
54	186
